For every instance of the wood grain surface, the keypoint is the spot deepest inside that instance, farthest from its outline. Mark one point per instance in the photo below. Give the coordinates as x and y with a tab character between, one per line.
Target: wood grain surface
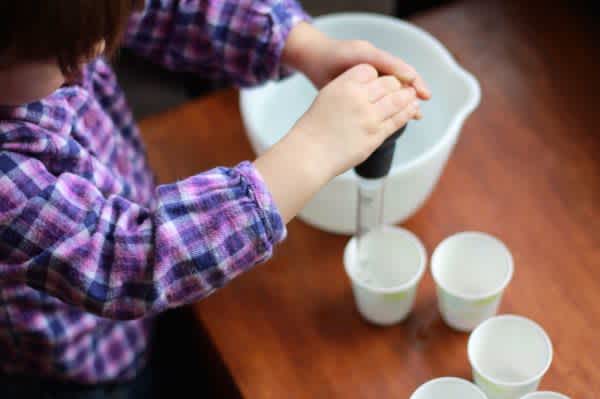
527	169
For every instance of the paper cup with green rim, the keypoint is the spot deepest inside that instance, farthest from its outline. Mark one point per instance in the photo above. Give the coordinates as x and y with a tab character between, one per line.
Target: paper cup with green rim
448	388
545	395
385	285
471	270
509	356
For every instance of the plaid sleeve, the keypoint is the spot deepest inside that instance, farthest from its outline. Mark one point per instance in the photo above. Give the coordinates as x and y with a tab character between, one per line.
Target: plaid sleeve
60	235
239	41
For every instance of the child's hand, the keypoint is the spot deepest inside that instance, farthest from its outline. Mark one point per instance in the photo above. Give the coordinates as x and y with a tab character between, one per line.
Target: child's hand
349	119
354	114
322	58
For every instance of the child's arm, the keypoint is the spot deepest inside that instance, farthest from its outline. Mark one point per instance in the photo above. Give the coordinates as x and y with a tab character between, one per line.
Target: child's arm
349	119
110	256
240	41
59	233
247	42
322	58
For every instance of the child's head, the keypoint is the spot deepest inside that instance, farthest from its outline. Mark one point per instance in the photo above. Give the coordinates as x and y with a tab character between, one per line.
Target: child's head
68	31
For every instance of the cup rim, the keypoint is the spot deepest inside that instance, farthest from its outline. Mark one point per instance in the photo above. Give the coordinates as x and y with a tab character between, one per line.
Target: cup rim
397	288
473	297
448	379
556	395
533	324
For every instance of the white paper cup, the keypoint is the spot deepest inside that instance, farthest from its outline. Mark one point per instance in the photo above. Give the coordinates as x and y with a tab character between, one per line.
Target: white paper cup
385	287
471	271
545	395
448	388
509	356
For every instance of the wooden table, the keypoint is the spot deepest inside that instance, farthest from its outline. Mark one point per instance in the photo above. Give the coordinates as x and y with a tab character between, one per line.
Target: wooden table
527	169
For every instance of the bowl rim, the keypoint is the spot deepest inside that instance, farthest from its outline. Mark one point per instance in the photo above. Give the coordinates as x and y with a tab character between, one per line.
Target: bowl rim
472	100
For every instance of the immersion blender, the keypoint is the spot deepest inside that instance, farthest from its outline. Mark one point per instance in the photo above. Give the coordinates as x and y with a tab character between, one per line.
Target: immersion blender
372	174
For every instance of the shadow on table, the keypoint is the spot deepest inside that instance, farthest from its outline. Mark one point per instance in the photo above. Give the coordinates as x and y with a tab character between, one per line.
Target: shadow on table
422	336
184	361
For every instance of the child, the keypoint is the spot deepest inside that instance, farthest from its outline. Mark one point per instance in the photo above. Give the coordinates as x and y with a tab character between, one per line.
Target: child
90	249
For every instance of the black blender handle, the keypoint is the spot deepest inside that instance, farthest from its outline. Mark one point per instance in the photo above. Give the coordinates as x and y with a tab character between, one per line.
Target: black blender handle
379	162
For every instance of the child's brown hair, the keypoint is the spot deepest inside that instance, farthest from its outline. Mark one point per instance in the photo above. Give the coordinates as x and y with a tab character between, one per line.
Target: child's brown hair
65	30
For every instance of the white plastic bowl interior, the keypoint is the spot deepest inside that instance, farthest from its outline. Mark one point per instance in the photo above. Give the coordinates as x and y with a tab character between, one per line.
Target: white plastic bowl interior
269	111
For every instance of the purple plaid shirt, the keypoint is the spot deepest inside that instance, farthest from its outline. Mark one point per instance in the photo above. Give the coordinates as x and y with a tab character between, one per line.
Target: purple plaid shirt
90	249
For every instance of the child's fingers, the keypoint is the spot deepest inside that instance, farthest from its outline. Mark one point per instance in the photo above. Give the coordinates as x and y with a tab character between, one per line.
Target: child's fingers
394	102
382	86
389	65
418	114
422	90
362	73
418	83
396	121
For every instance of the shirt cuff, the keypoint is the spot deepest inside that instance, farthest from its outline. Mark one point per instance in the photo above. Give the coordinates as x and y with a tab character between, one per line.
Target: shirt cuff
259	193
285	15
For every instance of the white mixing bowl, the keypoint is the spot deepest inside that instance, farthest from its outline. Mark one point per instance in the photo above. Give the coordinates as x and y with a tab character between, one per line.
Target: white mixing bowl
269	111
